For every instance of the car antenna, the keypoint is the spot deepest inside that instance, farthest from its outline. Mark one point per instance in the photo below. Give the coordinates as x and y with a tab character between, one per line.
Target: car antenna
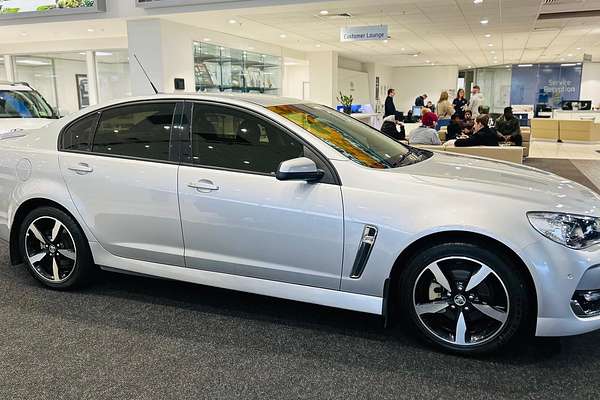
145	73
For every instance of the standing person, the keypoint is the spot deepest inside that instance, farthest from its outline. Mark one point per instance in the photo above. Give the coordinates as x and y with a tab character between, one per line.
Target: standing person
444	108
508	126
482	135
390	108
426	133
460	103
476	101
420	101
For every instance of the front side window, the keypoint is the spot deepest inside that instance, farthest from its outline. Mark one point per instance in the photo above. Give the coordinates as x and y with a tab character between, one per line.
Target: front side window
232	139
23	104
78	136
140	131
355	140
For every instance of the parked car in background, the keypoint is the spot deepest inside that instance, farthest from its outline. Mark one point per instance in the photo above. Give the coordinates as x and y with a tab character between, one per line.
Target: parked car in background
22	107
290	199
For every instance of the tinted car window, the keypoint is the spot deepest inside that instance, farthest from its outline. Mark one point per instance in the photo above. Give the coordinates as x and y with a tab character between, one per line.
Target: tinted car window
78	136
228	138
140	130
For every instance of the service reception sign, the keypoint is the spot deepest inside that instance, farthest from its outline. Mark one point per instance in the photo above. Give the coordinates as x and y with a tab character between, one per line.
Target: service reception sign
363	33
33	8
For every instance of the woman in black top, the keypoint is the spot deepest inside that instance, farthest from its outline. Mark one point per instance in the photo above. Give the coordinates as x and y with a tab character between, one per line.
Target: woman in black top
482	135
460	102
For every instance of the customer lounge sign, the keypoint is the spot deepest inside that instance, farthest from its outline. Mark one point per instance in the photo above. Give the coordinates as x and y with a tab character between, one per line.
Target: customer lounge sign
363	33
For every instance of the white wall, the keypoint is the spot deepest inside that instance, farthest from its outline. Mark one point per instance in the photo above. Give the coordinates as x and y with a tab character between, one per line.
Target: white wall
294	77
411	82
385	75
323	71
590	83
354	83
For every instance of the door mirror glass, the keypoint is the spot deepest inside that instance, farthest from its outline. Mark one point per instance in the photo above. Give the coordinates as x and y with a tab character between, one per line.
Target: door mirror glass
299	169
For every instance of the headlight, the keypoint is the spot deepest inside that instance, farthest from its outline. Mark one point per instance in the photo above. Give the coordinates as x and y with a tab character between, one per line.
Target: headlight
573	231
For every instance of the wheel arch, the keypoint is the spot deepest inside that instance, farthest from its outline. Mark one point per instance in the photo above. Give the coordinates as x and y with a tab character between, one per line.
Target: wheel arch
399	267
20	213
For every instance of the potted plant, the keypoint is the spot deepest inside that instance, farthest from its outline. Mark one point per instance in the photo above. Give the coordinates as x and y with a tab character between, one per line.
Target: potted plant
346	102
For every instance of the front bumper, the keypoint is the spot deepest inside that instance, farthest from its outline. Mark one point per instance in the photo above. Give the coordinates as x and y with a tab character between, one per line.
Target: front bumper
559	273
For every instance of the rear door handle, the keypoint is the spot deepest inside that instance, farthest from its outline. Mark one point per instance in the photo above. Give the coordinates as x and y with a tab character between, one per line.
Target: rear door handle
203	185
82	168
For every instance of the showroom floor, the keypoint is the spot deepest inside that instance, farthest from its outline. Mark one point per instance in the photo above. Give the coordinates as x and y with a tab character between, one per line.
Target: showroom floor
133	338
548	149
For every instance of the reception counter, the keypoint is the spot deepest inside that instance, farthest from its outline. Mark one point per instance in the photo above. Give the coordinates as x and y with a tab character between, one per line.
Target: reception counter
576	115
566	130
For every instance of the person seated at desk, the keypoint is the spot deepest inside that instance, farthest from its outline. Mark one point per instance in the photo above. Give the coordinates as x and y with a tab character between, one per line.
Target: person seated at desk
455	127
393	128
426	133
482	135
508	126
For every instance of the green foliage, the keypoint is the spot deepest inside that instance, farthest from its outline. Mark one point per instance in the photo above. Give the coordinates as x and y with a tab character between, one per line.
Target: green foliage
10	10
69	3
344	100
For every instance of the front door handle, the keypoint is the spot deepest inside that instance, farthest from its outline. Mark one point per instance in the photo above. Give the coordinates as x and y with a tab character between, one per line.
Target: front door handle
203	185
82	168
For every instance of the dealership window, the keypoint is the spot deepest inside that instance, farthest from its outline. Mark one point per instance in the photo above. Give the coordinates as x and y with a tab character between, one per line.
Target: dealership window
113	74
39	72
139	130
232	139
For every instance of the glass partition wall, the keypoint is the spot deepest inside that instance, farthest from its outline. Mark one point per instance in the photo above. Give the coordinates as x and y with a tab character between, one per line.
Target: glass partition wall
222	69
62	77
2	69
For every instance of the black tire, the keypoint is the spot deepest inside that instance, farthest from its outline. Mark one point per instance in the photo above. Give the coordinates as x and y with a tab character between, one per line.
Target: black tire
454	259
76	270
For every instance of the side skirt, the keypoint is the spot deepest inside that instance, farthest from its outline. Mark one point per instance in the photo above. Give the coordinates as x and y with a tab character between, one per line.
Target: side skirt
306	294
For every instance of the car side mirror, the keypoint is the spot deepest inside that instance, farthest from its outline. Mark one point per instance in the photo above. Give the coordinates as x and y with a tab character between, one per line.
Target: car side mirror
299	169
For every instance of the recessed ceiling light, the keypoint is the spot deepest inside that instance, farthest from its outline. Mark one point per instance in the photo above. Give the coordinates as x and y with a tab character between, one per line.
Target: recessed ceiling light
488	35
477	1
250	48
23	34
232	21
402	49
323	12
385	41
495	62
90	30
562	59
415	55
570	55
469	66
525	65
103	53
283	36
427	61
207	39
493	52
490	45
317	45
579	48
484	21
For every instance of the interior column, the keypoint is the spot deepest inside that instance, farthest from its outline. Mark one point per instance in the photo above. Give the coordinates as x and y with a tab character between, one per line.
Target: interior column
323	75
92	76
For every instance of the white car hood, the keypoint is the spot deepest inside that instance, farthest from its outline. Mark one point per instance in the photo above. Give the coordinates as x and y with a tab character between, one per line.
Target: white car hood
503	179
10	124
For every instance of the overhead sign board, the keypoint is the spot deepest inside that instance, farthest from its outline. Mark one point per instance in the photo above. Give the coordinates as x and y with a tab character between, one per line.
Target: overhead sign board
363	33
34	8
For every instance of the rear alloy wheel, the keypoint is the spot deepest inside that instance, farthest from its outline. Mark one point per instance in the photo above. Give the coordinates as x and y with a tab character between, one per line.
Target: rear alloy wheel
465	298
54	248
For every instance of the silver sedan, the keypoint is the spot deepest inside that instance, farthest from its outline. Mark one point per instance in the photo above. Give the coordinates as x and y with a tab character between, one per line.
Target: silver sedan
295	200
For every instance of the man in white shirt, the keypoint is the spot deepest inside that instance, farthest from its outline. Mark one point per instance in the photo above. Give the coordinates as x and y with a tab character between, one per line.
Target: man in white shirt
476	101
426	133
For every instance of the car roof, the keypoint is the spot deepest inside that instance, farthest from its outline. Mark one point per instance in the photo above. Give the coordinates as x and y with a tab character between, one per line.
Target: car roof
14	86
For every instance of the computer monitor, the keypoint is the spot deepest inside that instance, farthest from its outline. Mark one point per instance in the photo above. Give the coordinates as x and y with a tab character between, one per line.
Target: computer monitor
416	111
585	105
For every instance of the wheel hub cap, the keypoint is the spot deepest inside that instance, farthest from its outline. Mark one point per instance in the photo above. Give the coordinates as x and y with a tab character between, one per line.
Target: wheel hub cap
460	300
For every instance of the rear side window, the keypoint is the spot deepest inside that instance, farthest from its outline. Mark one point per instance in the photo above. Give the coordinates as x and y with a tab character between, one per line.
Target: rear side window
140	130
78	136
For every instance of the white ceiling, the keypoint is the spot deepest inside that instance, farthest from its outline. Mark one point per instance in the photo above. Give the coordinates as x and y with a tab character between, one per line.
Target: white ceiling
443	32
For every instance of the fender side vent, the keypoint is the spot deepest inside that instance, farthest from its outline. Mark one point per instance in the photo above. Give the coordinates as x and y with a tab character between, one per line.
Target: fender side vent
364	251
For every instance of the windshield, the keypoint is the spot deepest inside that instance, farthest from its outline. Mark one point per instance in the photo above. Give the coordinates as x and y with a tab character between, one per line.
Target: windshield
355	140
23	104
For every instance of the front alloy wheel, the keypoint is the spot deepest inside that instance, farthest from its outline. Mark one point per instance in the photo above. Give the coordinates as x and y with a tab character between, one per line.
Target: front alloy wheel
461	301
465	297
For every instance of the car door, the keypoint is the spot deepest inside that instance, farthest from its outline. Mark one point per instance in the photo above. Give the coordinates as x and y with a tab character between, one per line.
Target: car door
237	218
121	171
